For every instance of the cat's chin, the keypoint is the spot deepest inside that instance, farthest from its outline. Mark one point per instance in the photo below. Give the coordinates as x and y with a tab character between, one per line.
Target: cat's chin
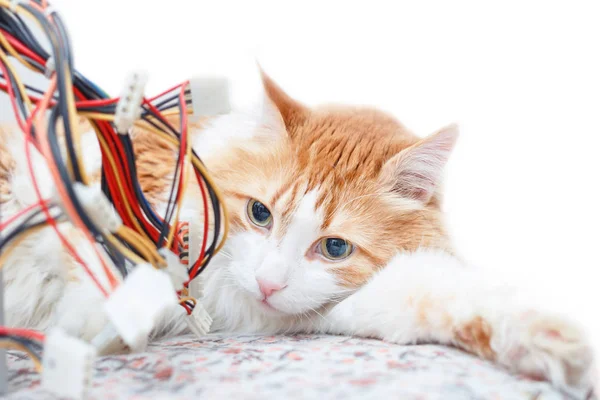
269	309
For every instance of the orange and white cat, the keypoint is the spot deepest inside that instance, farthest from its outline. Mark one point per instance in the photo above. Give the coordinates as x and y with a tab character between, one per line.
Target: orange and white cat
336	227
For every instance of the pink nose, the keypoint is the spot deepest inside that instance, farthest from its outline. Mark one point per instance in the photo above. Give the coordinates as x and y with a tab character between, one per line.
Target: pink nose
268	288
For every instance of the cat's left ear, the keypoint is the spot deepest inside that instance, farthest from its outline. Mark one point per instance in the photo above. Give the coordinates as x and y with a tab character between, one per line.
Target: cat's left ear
416	171
279	107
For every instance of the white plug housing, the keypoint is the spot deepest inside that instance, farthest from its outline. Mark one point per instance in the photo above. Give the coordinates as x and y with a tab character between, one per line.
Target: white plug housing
129	107
136	305
175	269
210	96
196	287
67	365
108	342
199	321
98	207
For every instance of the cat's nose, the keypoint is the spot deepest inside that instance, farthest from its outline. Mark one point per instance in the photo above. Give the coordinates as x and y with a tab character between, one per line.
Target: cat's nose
268	288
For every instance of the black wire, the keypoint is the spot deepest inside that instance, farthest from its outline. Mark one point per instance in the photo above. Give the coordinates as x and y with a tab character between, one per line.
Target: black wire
60	165
22	227
28	87
10	80
162	120
61	54
170	205
128	147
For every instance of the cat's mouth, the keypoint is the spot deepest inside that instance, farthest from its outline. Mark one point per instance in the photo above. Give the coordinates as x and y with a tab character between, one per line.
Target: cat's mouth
265	305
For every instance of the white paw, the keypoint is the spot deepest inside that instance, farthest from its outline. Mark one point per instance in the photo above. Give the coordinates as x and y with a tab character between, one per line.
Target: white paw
547	347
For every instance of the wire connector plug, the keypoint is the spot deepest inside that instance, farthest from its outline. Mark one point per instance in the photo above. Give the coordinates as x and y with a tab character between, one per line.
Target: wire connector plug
210	96
67	365
98	207
129	107
136	305
199	321
108	342
196	287
175	269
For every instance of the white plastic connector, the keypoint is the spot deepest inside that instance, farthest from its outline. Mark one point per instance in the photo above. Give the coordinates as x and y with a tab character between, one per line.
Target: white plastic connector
98	207
49	11
175	269
210	96
108	342
135	306
129	106
199	321
50	67
196	287
68	365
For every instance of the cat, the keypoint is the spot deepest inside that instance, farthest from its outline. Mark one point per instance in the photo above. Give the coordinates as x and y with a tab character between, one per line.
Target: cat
336	227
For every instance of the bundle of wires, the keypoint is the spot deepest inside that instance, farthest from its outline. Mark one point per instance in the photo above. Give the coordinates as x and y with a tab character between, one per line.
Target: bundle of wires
41	114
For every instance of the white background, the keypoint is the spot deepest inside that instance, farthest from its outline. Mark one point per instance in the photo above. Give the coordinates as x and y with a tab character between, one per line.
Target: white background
521	78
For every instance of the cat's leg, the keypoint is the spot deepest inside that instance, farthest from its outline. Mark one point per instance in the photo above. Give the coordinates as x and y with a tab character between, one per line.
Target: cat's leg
431	297
80	312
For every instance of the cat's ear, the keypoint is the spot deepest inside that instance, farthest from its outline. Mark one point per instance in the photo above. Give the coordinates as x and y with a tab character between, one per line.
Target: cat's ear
416	171
279	107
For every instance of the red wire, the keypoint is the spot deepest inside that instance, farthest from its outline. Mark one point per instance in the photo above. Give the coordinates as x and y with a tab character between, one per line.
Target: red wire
196	265
34	99
184	138
96	103
19	332
165	92
117	149
29	141
18	214
21	48
26	129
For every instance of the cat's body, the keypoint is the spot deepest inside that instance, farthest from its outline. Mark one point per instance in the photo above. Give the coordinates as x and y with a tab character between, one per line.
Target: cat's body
336	227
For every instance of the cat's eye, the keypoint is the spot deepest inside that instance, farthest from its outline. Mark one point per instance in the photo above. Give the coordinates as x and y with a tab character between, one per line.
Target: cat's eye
258	213
335	249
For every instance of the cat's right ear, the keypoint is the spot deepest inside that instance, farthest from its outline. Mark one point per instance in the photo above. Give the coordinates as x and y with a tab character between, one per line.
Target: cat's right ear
280	110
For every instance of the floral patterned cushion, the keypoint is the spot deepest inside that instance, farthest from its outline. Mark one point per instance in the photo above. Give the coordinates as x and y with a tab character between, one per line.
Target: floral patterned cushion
282	367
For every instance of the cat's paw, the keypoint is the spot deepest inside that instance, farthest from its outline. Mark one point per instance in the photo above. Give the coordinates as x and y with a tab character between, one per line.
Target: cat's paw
547	347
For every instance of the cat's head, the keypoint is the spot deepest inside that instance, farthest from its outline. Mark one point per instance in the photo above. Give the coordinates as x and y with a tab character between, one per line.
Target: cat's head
321	198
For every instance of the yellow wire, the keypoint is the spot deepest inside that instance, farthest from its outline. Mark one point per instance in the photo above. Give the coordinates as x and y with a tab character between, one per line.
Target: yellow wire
19	9
73	123
20	86
113	164
205	174
188	156
195	161
6	343
173	111
69	94
15	242
142	246
128	253
15	54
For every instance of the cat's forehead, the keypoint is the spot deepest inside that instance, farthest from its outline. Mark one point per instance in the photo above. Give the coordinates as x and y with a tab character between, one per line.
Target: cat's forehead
339	153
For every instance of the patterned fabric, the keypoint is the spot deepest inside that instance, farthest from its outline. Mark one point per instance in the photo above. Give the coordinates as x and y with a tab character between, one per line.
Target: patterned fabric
283	367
